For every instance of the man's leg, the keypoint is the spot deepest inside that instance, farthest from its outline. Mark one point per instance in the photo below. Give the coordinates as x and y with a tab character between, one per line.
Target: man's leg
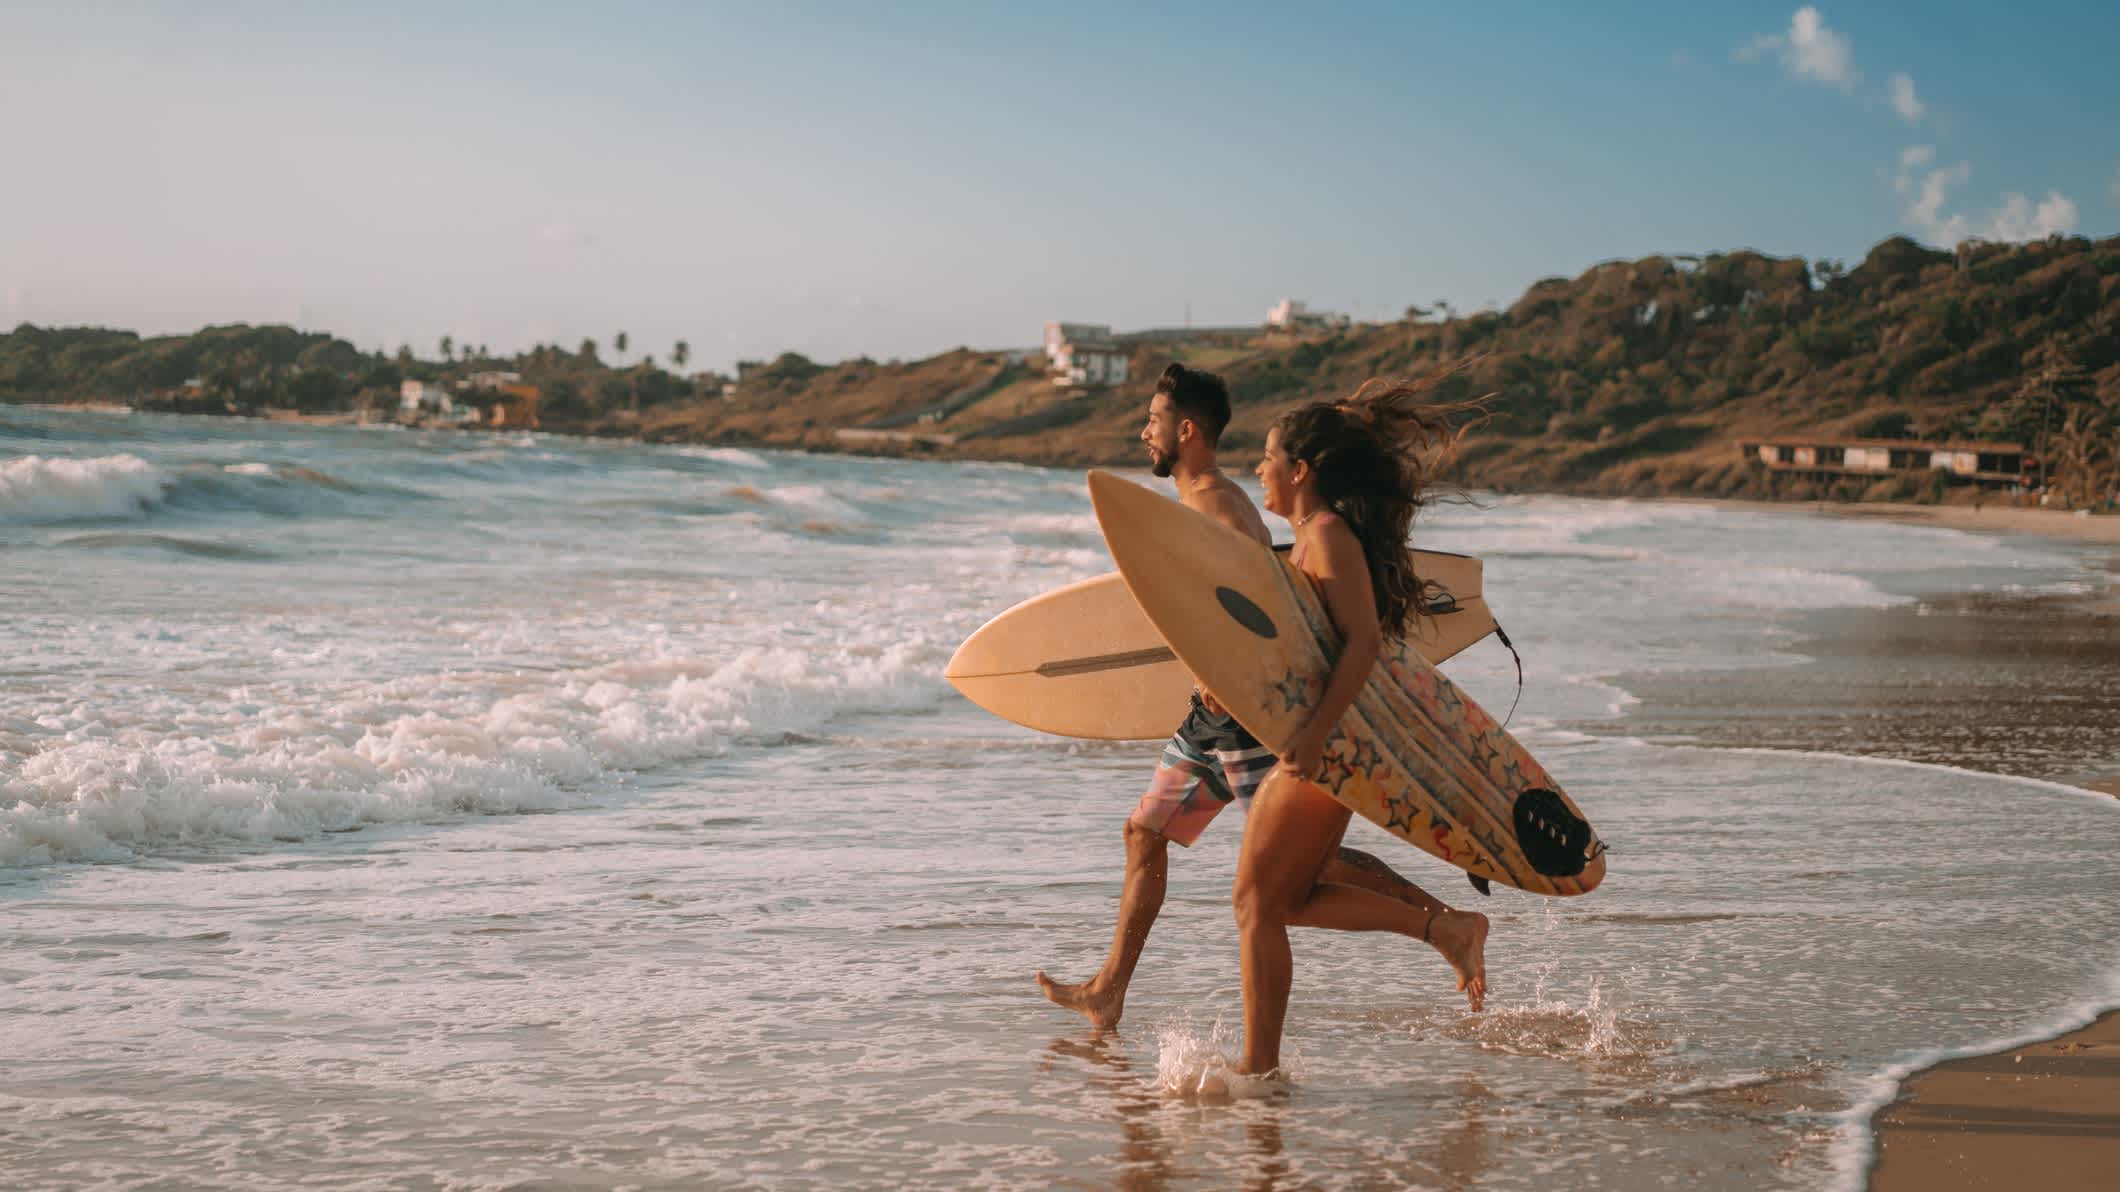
1181	800
1102	998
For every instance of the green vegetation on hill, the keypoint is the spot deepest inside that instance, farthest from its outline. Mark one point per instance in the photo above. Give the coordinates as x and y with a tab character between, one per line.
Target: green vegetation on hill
1635	377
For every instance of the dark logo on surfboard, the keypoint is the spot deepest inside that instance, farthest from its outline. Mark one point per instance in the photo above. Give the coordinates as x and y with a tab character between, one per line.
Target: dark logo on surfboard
1245	613
1555	840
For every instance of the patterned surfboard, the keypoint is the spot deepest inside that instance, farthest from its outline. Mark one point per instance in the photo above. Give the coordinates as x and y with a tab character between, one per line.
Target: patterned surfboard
1414	755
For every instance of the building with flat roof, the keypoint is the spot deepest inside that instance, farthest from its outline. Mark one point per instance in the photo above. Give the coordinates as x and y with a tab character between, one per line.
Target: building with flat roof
1982	463
1084	356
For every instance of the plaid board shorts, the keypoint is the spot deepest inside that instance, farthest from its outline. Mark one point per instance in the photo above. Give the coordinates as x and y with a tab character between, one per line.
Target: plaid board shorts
1209	763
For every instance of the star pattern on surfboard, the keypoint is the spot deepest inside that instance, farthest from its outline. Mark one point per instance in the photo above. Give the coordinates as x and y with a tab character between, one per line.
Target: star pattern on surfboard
1402	812
1294	690
1367	759
1484	753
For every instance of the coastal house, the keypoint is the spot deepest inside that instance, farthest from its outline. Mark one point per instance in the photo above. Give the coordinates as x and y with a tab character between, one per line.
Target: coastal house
425	398
1291	315
1084	355
497	398
1992	464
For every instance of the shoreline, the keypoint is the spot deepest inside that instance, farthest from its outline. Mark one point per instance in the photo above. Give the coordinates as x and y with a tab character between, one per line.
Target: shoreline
1893	683
2041	1115
2080	526
2044	1114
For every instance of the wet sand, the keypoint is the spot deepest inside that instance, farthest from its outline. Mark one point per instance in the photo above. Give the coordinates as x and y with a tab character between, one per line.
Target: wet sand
2044	1116
2004	685
2011	685
2010	519
2103	528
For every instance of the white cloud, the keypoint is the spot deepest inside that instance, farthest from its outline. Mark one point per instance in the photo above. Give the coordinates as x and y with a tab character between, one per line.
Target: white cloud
1904	101
1818	53
2017	220
1810	52
2020	219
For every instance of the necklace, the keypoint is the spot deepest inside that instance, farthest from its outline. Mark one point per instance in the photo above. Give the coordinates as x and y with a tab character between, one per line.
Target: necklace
1305	519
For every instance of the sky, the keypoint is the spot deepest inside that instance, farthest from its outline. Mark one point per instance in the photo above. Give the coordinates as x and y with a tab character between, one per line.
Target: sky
897	180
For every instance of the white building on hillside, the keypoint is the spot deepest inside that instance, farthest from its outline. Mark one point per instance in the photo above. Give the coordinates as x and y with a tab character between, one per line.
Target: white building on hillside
1292	315
424	397
1084	355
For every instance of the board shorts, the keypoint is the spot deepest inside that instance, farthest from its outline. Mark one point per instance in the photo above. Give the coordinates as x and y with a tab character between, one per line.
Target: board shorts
1209	763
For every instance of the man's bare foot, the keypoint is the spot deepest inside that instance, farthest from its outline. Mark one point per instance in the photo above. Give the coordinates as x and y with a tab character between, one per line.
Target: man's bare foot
1101	1006
1461	936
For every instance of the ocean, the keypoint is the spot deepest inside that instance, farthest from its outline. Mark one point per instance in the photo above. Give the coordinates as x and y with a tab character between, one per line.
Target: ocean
386	808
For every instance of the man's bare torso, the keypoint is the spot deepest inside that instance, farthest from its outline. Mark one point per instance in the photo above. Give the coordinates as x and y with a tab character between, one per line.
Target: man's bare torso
1220	498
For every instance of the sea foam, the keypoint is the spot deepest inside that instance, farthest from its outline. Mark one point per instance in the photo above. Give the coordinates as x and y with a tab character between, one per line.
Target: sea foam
98	783
36	489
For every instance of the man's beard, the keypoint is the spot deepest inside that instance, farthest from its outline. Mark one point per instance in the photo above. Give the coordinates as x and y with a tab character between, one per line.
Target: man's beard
1160	464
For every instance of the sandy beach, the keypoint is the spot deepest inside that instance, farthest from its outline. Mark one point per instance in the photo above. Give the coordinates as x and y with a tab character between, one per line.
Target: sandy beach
2043	1116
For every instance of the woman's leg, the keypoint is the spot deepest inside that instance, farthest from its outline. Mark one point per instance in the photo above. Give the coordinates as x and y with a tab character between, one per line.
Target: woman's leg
1290	840
1293	828
1461	936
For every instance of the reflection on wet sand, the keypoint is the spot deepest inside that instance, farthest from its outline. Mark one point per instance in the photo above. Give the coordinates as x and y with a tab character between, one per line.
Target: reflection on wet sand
1139	1103
1144	1153
1461	1149
1456	1148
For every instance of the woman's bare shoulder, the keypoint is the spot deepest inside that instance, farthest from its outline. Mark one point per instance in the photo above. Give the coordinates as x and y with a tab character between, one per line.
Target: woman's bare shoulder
1336	544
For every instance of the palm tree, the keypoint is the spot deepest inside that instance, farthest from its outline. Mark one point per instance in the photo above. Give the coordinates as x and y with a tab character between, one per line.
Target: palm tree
448	348
618	344
681	353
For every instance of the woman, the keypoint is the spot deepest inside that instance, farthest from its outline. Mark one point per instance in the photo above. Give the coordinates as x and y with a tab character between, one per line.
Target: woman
1345	476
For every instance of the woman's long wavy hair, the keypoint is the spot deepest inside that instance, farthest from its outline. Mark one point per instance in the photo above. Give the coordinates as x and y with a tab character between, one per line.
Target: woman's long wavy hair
1376	455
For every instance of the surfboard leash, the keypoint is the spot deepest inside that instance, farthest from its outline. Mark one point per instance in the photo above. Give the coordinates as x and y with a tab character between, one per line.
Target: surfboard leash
1503	637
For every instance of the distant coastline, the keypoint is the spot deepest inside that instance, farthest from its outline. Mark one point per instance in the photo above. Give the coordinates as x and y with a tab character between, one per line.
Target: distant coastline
1636	378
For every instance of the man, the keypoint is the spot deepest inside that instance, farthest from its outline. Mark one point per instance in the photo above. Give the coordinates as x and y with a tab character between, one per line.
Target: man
1210	761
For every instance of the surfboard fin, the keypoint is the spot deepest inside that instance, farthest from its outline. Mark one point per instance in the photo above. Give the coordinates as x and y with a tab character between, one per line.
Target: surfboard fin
1481	884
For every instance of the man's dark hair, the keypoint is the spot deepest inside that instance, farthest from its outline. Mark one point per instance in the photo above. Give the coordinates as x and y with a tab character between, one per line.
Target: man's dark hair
1200	396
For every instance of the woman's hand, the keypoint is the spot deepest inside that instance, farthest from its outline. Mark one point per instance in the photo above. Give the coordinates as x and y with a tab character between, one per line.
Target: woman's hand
1305	756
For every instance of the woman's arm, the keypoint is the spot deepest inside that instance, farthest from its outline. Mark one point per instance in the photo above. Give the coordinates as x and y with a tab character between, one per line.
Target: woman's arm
1334	559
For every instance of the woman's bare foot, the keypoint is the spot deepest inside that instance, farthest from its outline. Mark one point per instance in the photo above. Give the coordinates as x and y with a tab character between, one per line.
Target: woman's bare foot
1101	1006
1461	936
